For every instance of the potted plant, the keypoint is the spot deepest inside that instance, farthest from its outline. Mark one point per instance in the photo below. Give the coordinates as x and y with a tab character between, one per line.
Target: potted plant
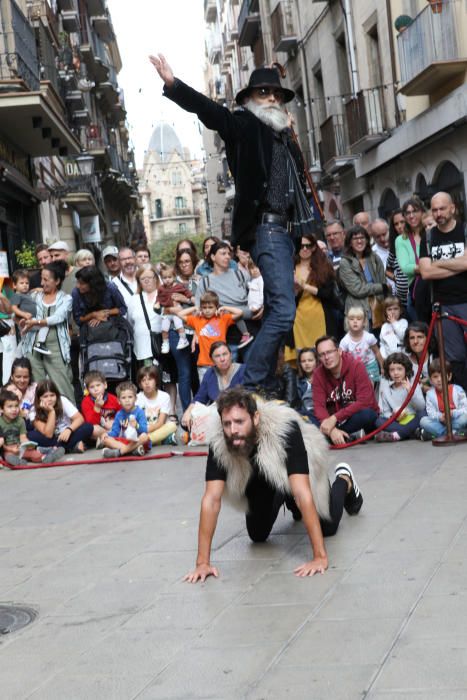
26	256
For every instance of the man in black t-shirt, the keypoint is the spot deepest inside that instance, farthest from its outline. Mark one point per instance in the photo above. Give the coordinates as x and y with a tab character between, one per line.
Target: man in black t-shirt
263	456
444	262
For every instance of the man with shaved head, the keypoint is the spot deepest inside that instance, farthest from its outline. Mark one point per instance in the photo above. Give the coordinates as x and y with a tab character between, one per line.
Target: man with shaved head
362	218
443	261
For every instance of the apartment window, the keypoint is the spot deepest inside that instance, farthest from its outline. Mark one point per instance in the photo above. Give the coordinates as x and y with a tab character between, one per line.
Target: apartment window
158	208
343	68
180	203
319	92
374	57
182	228
176	177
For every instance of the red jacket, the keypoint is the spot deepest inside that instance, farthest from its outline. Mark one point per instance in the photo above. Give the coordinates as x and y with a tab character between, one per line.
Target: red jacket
109	409
345	395
164	294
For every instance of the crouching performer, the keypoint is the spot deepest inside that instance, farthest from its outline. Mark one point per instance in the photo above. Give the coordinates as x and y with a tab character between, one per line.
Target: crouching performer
263	456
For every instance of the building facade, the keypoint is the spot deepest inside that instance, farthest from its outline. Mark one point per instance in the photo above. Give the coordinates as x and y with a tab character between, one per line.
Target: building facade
66	167
172	187
379	111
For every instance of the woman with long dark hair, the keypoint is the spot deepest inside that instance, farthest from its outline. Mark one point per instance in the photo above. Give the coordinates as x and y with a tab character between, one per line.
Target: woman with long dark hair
408	250
397	226
315	291
94	299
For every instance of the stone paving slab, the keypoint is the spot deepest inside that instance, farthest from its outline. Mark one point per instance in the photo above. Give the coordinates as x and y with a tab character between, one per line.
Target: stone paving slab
100	551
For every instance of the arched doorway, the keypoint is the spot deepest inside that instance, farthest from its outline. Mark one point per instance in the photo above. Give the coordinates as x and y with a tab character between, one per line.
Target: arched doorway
388	202
450	179
422	190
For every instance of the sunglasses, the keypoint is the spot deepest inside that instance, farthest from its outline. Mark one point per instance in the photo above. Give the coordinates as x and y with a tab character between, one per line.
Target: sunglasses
306	246
266	92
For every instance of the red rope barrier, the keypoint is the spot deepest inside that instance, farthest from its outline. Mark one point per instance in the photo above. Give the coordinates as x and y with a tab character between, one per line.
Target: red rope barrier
74	463
395	415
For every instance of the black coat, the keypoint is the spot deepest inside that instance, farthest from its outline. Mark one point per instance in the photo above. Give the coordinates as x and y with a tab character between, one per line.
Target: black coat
248	147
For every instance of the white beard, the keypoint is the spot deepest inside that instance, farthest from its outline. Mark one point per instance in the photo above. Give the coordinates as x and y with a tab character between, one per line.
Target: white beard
275	117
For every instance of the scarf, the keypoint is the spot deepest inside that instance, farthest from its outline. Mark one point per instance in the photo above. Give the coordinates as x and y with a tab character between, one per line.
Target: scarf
303	222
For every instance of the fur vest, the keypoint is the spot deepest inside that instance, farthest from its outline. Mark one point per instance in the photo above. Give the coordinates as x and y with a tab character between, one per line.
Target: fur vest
274	424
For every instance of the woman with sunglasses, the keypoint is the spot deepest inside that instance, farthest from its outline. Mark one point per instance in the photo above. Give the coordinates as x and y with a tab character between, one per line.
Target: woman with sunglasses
408	250
314	288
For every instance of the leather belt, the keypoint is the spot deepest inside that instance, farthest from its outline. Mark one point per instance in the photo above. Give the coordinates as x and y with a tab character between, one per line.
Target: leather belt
271	218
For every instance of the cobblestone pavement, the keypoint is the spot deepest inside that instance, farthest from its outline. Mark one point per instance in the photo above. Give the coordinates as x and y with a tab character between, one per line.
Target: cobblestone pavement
100	551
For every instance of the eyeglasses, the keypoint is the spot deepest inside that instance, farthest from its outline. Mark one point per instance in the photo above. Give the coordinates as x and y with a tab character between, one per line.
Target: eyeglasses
266	92
358	238
411	212
327	353
147	279
185	250
306	246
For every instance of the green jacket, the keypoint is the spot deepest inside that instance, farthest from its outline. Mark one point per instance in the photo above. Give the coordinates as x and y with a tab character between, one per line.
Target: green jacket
353	282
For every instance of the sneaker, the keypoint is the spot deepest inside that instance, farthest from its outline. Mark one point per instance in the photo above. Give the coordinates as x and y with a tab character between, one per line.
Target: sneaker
170	440
182	342
425	436
54	454
40	347
111	453
140	451
14	460
357	435
245	340
99	443
165	347
385	436
354	499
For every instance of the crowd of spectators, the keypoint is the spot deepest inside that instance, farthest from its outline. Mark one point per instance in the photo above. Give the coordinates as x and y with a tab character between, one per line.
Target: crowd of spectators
348	364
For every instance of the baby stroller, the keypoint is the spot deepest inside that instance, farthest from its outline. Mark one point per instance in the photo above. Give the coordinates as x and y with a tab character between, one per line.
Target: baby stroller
107	348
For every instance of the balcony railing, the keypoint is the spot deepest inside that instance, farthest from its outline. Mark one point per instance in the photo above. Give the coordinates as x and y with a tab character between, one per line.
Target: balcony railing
431	49
249	22
366	119
334	148
18	57
213	46
210	10
284	36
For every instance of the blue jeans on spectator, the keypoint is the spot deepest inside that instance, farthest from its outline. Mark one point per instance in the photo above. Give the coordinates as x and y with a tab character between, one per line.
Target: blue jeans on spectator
405	431
183	361
363	420
273	253
82	433
435	428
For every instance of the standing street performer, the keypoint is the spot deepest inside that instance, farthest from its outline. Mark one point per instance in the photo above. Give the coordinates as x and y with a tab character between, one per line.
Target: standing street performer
264	456
270	207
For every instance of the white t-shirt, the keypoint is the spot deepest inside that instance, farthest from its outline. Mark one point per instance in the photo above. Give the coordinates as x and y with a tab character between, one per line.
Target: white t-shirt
69	410
360	348
154	407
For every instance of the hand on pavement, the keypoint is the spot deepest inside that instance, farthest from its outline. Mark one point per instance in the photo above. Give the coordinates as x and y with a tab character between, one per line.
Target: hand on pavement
318	565
201	573
338	436
162	67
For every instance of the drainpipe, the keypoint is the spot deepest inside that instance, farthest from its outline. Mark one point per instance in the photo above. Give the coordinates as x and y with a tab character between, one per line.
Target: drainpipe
306	93
346	9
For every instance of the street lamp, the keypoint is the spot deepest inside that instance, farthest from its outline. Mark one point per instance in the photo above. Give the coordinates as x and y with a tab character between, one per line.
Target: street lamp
85	163
115	226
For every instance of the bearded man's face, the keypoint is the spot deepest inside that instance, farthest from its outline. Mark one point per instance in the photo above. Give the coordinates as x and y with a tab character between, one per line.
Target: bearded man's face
239	430
269	109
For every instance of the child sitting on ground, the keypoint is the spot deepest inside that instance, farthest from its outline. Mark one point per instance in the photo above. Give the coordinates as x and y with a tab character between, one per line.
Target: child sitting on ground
255	288
210	323
360	343
392	334
434	423
13	436
56	421
99	407
129	433
156	406
306	360
394	388
165	300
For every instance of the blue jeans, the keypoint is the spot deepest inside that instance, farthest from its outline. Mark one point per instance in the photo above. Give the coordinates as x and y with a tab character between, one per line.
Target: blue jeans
183	361
404	431
436	428
273	253
362	420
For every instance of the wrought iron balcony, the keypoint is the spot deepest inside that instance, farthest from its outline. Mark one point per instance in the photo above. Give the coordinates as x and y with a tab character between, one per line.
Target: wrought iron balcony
103	26
70	20
210	10
93	52
18	57
284	36
249	22
366	120
433	49
334	146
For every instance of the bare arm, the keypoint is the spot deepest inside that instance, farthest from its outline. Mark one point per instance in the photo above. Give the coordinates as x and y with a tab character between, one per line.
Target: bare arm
430	270
47	428
301	490
183	313
210	508
235	312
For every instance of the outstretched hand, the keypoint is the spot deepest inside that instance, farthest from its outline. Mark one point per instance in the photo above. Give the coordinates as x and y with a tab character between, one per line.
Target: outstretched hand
318	565
201	573
162	67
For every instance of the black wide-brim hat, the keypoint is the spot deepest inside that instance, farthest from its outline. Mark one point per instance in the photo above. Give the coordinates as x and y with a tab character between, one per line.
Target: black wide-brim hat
264	77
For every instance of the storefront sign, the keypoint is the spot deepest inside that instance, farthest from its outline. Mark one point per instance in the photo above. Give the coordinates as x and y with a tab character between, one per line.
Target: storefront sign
90	229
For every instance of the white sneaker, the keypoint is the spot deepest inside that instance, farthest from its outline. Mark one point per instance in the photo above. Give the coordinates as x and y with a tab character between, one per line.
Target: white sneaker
165	347
40	347
182	343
